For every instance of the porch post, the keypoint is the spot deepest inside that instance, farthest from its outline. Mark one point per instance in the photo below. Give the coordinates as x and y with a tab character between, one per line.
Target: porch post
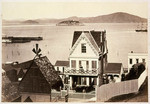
88	81
70	82
97	80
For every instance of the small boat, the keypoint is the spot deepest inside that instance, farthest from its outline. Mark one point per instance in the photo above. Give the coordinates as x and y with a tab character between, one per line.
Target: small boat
140	28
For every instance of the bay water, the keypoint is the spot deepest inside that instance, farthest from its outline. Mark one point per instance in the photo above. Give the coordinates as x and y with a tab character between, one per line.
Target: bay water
57	40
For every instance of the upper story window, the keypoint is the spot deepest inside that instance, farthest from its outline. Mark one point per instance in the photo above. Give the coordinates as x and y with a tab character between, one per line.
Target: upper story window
83	48
137	60
130	61
143	60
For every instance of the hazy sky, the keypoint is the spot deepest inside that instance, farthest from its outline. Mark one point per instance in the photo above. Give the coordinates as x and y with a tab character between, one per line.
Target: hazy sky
34	10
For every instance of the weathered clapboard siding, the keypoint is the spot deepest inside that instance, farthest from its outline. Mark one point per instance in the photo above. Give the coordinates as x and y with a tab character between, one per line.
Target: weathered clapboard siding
108	91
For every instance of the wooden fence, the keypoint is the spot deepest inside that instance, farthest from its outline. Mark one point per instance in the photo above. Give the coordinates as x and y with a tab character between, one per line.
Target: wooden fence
107	91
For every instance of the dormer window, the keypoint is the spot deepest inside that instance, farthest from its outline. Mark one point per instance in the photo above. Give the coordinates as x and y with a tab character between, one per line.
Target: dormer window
83	48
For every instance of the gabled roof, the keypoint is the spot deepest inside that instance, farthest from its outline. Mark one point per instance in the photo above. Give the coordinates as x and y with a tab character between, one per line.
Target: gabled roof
95	35
17	99
46	68
8	67
62	63
9	90
28	99
113	68
92	41
23	65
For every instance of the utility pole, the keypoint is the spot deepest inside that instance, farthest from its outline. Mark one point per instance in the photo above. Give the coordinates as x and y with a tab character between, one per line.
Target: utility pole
102	54
100	69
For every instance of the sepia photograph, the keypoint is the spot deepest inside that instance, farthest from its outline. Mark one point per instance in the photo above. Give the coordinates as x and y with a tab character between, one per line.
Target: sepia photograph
74	51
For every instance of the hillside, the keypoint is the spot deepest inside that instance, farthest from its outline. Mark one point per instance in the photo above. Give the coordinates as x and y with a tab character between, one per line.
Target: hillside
118	17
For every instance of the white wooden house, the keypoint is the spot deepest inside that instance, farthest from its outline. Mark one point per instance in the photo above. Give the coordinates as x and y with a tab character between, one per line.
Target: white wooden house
84	57
134	58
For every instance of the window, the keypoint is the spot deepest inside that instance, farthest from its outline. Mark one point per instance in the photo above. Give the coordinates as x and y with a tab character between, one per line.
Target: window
137	60
73	63
57	68
130	60
143	60
80	65
94	65
83	48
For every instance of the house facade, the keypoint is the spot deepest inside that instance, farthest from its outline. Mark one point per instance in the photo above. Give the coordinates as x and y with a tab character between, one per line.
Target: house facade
84	61
134	58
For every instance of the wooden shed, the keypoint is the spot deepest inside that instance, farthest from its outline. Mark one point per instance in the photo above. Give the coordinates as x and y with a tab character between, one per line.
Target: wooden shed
40	76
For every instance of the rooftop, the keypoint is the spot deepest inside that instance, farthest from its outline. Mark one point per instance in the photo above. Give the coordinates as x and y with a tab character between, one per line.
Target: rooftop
95	34
62	63
113	68
47	70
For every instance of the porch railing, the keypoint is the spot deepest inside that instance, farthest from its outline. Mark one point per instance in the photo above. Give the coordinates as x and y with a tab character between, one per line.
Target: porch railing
74	71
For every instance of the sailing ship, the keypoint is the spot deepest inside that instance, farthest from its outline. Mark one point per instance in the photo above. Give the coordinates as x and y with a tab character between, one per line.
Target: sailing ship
141	28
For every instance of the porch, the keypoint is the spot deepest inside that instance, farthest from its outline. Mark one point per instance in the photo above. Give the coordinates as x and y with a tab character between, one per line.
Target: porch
82	72
82	83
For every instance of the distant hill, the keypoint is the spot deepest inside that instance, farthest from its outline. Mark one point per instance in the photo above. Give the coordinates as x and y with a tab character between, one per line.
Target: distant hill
118	17
30	22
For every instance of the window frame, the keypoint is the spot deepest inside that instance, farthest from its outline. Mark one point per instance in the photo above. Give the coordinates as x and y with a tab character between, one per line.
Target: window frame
83	48
137	60
130	61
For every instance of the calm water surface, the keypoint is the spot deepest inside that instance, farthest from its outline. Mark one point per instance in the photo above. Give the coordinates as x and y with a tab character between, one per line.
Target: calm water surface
121	39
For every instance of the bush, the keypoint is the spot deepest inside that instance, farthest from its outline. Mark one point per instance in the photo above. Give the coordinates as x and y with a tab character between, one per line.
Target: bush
135	71
84	88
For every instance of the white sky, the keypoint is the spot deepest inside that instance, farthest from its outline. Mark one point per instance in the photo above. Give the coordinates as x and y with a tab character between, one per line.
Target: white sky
35	10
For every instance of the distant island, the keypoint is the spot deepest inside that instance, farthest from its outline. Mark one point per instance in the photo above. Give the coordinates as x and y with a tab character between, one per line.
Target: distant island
30	22
118	17
69	23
